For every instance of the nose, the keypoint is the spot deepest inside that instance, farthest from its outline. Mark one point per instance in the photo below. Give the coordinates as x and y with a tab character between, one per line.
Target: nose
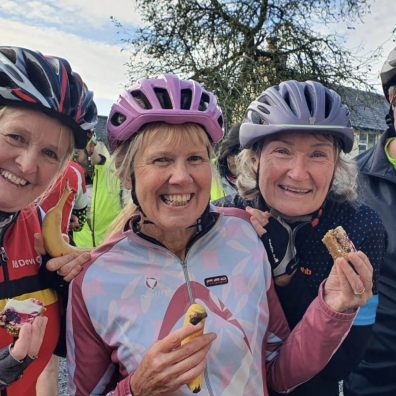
299	169
27	161
180	174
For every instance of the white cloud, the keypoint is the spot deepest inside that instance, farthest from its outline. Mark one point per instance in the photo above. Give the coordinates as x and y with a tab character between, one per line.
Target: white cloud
66	13
123	10
374	31
101	66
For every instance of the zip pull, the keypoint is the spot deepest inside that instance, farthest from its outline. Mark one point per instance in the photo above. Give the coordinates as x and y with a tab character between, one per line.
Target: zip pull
3	254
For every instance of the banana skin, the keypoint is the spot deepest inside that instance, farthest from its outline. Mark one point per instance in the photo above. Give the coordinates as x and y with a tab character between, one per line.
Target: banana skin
195	314
54	243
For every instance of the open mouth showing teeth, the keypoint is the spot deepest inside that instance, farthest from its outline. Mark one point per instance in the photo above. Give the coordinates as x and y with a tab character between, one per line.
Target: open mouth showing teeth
176	199
12	178
295	190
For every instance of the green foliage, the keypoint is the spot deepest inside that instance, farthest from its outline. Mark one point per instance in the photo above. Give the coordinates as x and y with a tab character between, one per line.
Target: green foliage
238	48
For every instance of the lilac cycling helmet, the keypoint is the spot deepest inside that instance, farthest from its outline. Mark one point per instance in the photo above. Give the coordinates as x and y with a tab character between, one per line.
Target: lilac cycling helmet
47	83
388	73
167	99
297	107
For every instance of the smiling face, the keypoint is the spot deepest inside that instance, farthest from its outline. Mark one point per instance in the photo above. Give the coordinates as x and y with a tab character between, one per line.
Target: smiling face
173	178
33	147
296	171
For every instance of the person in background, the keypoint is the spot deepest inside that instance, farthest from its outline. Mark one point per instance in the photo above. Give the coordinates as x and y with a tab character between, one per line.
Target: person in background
105	193
45	110
126	308
228	150
296	184
73	218
74	213
375	375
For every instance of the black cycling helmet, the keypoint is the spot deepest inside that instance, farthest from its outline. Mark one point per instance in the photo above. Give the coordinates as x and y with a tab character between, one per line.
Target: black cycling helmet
388	73
298	107
47	83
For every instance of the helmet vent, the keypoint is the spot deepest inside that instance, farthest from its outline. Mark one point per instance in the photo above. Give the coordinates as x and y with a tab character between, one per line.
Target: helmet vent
254	116
117	119
289	103
163	97
220	121
265	100
328	104
141	99
204	102
308	100
6	81
9	53
35	73
185	99
263	109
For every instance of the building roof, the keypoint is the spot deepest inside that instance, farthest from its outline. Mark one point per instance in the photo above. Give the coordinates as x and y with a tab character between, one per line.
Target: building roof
368	109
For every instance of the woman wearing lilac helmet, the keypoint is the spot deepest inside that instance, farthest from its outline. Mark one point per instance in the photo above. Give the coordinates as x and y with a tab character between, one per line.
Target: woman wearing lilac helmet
174	249
45	110
296	184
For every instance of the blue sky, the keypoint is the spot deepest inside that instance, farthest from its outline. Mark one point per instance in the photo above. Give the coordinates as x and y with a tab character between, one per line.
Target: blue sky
82	32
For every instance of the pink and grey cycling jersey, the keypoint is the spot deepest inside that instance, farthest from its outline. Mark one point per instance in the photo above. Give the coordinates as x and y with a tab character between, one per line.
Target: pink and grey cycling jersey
135	291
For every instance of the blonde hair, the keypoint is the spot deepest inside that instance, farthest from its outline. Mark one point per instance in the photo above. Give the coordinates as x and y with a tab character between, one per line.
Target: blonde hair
125	155
343	186
63	162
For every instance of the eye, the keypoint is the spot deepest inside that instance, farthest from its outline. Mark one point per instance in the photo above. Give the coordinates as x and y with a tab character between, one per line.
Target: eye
196	159
162	161
16	139
282	151
50	154
319	154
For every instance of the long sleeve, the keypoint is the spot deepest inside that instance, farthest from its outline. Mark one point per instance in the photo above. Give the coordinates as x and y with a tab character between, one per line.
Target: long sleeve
308	348
90	361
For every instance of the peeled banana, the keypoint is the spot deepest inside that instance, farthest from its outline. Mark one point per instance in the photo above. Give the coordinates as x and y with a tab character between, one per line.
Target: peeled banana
54	243
195	314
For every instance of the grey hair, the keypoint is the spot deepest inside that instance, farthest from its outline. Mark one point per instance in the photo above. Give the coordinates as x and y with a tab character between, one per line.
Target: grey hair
343	187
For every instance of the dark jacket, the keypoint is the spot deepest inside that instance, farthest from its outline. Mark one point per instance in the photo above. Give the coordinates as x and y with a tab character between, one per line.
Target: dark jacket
23	275
376	374
312	265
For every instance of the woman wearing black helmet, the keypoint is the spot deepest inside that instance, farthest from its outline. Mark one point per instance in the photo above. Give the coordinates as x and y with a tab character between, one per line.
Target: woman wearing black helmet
296	184
45	110
375	375
228	150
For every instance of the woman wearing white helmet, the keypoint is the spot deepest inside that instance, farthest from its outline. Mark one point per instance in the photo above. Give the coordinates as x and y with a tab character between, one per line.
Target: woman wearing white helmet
296	184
